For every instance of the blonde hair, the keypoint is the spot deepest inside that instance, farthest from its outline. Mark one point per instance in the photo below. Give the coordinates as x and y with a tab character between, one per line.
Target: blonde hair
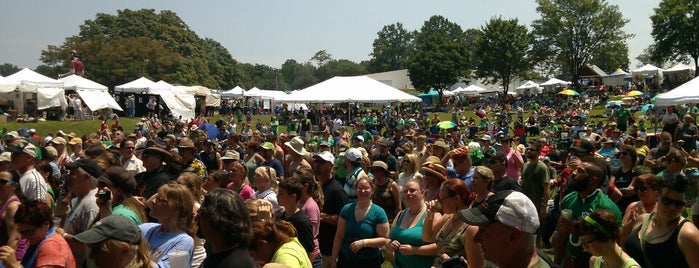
260	210
269	174
412	160
193	182
181	199
139	253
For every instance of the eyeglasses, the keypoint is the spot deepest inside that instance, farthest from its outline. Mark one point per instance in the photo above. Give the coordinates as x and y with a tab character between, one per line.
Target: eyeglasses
129	148
640	189
668	202
3	182
363	188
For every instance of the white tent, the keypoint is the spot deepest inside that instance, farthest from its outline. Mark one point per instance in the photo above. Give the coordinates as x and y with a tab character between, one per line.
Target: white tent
254	92
195	90
48	97
528	85
680	67
30	80
7	86
234	92
76	82
647	69
555	82
620	72
469	90
350	89
141	85
97	100
49	92
213	100
685	93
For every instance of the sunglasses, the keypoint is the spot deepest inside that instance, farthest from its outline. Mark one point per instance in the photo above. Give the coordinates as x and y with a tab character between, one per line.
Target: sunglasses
3	182
668	201
640	189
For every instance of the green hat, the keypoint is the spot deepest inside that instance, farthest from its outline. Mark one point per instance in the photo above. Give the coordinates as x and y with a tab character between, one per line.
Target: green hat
268	146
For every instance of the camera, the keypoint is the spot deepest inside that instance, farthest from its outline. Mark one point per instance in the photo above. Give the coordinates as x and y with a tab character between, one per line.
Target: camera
104	195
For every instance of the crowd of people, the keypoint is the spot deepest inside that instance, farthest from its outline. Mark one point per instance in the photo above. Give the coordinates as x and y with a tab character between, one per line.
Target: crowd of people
386	189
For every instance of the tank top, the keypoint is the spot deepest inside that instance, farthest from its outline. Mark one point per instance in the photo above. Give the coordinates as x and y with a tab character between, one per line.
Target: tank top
627	264
22	245
383	196
450	245
663	254
410	236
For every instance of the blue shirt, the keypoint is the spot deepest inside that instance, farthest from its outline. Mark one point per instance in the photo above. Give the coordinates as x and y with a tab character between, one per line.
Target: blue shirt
161	244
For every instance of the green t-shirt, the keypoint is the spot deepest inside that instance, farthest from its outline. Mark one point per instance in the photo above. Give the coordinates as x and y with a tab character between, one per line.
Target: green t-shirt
622	115
292	254
583	207
534	176
126	212
364	229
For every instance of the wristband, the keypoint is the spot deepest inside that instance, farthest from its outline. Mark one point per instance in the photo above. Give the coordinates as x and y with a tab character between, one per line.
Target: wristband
363	243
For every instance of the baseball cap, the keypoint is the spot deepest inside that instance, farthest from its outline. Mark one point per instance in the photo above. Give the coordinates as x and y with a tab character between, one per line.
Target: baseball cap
88	165
486	137
326	156
75	141
500	156
511	208
23	146
353	154
59	140
5	157
583	146
231	155
359	137
268	146
111	227
120	178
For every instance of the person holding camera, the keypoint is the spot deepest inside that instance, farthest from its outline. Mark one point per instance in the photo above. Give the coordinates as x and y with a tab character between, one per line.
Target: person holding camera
116	195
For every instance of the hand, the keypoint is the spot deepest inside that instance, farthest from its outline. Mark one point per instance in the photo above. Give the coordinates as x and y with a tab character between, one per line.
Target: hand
432	206
141	200
102	203
7	256
395	245
357	245
407	250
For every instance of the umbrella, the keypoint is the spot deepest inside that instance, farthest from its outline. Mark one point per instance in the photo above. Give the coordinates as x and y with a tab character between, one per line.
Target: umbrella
613	105
446	124
633	93
645	107
569	92
211	130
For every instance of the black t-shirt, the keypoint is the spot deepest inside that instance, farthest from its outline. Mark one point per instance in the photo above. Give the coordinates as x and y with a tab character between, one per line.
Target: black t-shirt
389	159
334	199
506	183
209	160
303	226
622	180
235	258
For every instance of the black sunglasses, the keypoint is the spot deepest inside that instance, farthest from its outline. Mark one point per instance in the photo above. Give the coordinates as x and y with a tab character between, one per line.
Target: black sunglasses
3	182
677	203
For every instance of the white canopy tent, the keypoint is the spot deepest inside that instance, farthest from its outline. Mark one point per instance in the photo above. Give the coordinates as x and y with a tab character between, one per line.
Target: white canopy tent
93	94
141	85
680	67
195	90
350	89
469	90
180	103
49	92
213	100
555	82
529	87
254	92
685	93
647	69
29	80
234	92
7	86
620	72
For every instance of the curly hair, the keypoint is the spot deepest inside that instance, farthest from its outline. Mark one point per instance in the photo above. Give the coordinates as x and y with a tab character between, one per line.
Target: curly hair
229	216
34	213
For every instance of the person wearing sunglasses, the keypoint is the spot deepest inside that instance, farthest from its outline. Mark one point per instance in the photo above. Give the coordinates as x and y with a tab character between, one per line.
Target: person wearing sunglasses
619	189
598	233
8	229
645	187
663	238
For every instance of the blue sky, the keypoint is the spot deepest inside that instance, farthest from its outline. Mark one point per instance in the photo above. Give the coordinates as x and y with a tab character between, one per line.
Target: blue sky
270	32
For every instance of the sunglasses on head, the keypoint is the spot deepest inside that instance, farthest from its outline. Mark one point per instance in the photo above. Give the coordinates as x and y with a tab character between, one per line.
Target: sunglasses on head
677	203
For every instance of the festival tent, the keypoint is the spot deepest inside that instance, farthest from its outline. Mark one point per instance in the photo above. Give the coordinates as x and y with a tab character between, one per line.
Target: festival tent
350	89
254	92
93	94
555	82
29	80
141	85
685	93
234	92
213	100
647	69
680	67
49	92
195	90
528	85
619	72
469	90
7	86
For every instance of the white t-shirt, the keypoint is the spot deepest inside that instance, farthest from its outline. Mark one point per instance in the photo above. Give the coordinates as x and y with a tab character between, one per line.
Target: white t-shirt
33	185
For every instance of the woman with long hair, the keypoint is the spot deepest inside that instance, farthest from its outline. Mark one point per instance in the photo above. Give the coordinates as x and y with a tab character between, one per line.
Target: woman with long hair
46	247
239	183
172	207
445	228
311	201
410	168
276	242
598	233
116	243
663	238
646	187
387	193
194	184
621	193
409	250
266	183
361	230
116	195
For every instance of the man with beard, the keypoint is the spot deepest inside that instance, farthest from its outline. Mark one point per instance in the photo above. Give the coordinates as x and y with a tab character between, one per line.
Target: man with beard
586	197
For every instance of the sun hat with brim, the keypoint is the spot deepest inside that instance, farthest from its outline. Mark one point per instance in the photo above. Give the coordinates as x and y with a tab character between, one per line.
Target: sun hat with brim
120	178
435	169
88	165
379	165
115	227
268	146
23	146
165	155
231	155
51	151
583	146
441	143
186	143
296	145
75	141
5	157
508	207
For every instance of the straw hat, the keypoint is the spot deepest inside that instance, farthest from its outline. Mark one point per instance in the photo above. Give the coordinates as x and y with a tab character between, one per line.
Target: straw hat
435	169
296	145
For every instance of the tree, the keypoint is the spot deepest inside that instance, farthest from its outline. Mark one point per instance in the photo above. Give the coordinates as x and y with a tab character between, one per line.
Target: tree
339	68
502	49
297	75
649	57
439	57
322	57
572	33
8	69
391	48
676	30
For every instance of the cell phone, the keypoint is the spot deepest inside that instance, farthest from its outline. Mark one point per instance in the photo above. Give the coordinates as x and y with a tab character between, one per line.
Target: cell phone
104	195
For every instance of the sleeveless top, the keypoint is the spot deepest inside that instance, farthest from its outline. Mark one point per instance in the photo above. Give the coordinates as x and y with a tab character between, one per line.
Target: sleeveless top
410	236
22	245
450	245
663	254
383	196
627	264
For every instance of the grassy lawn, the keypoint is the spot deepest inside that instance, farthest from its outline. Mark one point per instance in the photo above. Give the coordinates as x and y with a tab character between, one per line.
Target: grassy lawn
81	127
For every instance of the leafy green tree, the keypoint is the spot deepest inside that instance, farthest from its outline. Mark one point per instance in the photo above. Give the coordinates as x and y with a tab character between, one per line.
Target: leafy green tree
676	30
321	57
391	48
133	43
502	51
615	55
298	75
8	69
570	34
649	57
339	68
439	57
